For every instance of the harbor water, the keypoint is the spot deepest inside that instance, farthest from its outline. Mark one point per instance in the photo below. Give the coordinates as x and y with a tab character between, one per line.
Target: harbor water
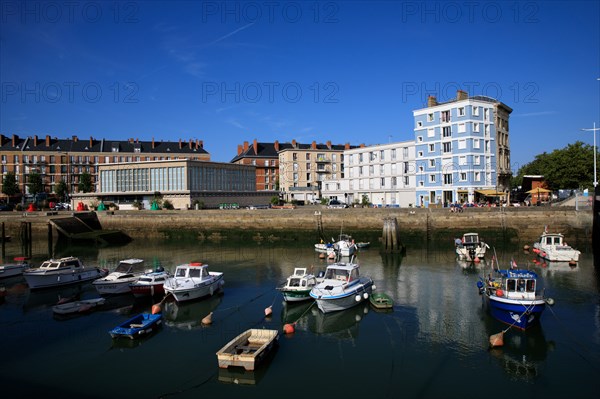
433	344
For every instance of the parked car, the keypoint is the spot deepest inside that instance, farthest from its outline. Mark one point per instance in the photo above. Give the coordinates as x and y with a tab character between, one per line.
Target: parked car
335	204
6	207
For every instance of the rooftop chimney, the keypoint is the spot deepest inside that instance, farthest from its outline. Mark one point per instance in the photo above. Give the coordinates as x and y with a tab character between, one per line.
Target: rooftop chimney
276	145
74	139
313	145
255	145
91	142
329	144
180	145
152	142
347	146
201	143
15	138
47	140
432	101
294	143
245	146
35	140
461	95
240	149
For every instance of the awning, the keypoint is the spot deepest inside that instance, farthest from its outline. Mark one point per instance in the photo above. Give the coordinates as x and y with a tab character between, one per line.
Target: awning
491	193
539	190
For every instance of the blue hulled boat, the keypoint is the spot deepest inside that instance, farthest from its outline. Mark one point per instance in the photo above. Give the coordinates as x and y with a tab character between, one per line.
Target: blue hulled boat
513	297
138	326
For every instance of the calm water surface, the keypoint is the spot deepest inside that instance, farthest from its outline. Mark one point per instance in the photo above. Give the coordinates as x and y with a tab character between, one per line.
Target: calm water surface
434	344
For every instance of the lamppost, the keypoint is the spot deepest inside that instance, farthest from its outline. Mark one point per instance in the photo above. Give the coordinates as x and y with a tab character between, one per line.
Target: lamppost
593	130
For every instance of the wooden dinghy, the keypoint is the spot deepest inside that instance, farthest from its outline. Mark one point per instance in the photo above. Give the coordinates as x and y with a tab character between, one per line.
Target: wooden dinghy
82	306
247	349
381	300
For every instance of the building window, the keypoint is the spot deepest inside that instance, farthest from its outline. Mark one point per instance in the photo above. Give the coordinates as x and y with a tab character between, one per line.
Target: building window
383	182
462	160
447	131
447	178
475	127
406	181
431	147
420	154
477	176
430	117
419	124
431	132
420	139
431	178
382	155
461	111
432	163
475	110
394	182
476	160
462	144
445	116
404	152
360	157
476	143
463	176
461	128
447	147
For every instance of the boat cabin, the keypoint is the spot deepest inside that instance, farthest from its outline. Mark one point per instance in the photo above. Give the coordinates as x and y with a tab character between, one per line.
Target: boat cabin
130	266
342	272
552	239
195	269
470	239
300	279
64	263
518	285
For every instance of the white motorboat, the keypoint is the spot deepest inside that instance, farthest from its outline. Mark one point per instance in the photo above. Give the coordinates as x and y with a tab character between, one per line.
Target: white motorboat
150	284
297	286
551	246
64	271
192	281
341	288
117	282
470	248
345	245
14	269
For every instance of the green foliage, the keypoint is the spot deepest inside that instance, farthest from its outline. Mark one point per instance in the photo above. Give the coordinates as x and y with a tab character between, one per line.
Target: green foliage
85	183
569	168
365	200
167	204
9	184
275	200
60	189
35	183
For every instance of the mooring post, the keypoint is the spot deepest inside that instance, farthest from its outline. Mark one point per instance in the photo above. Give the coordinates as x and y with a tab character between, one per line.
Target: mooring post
50	240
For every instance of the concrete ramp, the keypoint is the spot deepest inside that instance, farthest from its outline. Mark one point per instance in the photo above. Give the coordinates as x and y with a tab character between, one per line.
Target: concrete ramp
85	226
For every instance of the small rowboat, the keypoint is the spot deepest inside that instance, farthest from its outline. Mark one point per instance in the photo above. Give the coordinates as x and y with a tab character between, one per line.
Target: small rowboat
381	300
248	348
138	326
78	306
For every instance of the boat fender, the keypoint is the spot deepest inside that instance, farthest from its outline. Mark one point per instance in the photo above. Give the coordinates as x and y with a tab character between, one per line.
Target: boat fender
366	295
156	308
210	290
499	292
550	301
374	287
288	328
357	298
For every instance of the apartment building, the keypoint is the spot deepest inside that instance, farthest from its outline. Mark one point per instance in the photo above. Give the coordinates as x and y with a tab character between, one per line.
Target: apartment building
265	158
462	150
383	173
67	159
304	167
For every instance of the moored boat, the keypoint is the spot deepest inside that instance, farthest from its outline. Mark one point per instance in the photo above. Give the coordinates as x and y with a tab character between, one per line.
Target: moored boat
118	281
470	247
552	247
297	286
150	284
513	297
81	306
381	300
341	288
138	326
248	349
14	269
192	281
64	271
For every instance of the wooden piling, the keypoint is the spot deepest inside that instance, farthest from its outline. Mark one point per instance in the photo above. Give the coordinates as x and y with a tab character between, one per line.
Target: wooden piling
391	236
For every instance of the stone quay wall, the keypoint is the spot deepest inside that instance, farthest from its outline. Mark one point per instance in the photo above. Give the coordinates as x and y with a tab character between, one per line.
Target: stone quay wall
515	224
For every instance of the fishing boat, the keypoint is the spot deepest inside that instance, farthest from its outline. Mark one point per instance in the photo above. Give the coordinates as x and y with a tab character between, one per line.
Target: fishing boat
192	281
248	349
138	326
118	281
14	269
341	288
552	247
513	297
81	306
381	300
297	286
150	284
345	245
470	247
64	271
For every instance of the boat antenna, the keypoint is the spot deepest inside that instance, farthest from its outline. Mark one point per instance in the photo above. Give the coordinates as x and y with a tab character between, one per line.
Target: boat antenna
497	264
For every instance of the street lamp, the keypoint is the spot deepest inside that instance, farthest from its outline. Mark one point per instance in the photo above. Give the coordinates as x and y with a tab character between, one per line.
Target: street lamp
593	130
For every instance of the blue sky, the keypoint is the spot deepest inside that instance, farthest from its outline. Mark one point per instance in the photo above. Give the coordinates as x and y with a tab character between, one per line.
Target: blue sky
351	71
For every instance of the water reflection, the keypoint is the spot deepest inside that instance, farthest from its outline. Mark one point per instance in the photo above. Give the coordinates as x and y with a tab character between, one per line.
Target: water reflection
343	324
189	315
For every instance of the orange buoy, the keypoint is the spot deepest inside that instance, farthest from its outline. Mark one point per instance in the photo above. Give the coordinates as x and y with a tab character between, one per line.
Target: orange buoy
269	310
497	339
289	328
476	260
156	309
208	319
526	247
499	292
321	256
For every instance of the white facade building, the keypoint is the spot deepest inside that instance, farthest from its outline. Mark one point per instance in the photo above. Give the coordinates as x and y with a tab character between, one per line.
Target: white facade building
384	173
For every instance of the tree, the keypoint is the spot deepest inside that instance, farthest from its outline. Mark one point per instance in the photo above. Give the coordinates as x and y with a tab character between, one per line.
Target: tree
85	183
9	185
61	189
35	183
569	168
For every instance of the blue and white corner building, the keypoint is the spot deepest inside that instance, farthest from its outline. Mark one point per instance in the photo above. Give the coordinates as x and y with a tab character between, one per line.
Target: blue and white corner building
462	150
